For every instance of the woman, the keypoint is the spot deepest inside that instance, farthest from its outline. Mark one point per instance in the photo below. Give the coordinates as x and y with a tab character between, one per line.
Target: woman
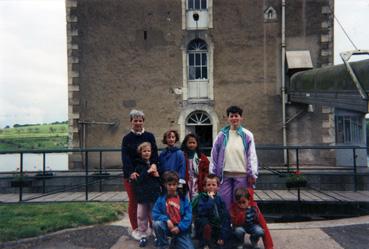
130	143
233	156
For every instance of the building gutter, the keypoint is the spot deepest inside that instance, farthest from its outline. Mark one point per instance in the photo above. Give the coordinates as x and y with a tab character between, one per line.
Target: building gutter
283	80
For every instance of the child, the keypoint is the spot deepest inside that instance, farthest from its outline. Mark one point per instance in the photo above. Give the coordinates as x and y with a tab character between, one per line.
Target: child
146	187
197	165
172	158
172	216
247	218
211	215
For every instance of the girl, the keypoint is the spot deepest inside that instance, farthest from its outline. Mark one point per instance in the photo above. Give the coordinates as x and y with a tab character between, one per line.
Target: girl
172	158
146	187
197	165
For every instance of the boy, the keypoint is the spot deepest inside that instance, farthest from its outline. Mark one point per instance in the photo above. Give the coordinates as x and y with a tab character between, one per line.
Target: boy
247	218
212	222
172	216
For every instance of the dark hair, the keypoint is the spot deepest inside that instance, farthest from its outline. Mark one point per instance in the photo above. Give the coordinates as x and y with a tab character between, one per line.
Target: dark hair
234	109
211	177
167	133
184	144
170	176
241	192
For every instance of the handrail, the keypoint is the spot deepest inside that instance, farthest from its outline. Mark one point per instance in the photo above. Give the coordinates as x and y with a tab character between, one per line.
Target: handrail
87	175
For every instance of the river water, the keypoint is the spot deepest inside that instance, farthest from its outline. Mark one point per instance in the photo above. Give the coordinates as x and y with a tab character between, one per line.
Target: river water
33	162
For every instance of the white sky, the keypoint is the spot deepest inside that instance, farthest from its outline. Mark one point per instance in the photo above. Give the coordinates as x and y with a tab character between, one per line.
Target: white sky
33	56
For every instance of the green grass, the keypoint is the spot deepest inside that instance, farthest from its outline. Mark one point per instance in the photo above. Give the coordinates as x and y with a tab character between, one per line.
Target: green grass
46	136
29	220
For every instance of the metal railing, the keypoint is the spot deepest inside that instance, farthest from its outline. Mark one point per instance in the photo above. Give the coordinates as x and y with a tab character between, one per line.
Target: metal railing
100	175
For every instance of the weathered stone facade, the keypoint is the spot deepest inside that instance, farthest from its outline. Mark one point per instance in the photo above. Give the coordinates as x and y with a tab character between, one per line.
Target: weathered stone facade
133	54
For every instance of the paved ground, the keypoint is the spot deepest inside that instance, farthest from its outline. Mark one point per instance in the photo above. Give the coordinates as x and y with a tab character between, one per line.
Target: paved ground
336	234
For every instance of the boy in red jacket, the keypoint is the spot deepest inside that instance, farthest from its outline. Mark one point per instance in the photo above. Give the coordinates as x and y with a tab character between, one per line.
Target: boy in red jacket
247	218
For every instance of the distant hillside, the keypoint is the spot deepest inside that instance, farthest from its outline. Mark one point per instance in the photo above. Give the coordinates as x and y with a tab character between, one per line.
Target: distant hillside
29	136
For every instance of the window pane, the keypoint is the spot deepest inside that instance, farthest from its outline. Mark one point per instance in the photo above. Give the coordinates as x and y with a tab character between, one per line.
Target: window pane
198	72
191	59
197	4
197	61
204	73
339	130
203	56
203	4
191	73
190	4
347	131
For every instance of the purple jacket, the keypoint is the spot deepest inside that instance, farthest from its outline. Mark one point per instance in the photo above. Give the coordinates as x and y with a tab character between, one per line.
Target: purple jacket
218	150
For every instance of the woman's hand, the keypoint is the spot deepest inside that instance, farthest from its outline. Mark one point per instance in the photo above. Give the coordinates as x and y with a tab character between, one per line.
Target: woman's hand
134	176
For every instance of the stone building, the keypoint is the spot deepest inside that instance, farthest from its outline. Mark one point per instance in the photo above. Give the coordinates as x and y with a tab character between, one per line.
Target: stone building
184	61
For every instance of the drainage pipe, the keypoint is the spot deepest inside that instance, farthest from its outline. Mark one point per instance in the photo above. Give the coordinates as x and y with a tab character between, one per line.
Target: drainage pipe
283	80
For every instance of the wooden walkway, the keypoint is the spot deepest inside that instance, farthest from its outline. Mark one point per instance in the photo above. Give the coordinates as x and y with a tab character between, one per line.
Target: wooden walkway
261	195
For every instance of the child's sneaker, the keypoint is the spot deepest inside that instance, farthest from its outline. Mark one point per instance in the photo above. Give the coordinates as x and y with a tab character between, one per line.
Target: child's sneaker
136	234
148	232
240	247
142	242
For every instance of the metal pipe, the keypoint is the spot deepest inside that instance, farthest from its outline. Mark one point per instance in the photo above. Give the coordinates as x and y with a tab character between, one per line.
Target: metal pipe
283	83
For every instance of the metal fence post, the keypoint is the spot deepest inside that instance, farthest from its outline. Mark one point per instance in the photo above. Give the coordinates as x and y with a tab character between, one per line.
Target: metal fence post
21	178
43	172
100	172
86	176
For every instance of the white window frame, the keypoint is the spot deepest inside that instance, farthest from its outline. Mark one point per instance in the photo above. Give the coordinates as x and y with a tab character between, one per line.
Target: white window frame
196	2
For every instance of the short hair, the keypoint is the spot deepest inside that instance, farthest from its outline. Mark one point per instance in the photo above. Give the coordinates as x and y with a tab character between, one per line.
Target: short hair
143	145
234	109
167	133
211	177
241	192
170	176
136	114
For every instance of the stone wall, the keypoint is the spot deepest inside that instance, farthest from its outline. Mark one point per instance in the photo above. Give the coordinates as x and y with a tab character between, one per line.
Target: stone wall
130	54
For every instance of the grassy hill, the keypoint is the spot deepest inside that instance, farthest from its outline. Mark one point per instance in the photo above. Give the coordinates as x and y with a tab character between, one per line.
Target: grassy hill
43	136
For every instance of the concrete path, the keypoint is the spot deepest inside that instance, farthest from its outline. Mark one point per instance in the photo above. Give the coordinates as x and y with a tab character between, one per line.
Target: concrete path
334	234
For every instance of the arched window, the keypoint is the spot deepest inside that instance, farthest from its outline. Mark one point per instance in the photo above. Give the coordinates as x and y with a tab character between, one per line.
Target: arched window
197	60
198	118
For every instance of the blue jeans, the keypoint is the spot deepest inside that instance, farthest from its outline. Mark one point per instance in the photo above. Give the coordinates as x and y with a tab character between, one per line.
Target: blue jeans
179	241
255	231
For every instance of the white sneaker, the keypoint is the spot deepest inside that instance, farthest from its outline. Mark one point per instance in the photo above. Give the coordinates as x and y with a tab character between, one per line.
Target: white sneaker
136	234
240	247
148	232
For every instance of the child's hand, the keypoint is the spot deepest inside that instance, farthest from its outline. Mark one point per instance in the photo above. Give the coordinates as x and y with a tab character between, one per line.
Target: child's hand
153	167
156	174
175	230
170	225
211	194
220	242
134	176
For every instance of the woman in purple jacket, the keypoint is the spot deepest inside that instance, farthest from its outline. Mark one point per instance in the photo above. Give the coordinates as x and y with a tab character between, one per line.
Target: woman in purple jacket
233	156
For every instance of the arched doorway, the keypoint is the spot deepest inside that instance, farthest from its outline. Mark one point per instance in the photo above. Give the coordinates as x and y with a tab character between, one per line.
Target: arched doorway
199	123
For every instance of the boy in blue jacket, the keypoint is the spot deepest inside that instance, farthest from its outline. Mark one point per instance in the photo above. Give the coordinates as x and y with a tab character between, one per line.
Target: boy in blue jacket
172	216
211	218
